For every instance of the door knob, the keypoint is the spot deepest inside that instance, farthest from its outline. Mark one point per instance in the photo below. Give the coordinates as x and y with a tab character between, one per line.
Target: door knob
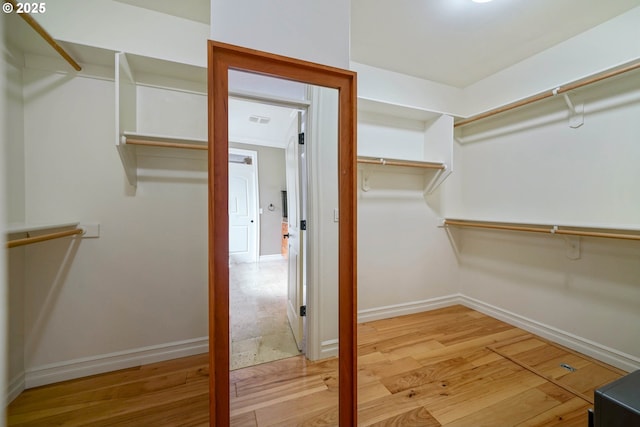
285	236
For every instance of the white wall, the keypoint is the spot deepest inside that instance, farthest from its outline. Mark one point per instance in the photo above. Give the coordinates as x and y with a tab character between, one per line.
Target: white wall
142	285
292	28
530	166
590	304
4	139
15	213
400	89
610	44
405	263
524	166
80	297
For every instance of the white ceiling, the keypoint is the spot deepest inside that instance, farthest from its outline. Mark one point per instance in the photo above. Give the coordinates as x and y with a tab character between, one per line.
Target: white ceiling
271	134
459	42
195	10
455	42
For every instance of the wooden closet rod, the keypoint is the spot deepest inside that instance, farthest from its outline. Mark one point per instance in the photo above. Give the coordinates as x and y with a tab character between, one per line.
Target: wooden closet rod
496	226
43	237
550	93
393	162
599	234
134	141
45	35
543	229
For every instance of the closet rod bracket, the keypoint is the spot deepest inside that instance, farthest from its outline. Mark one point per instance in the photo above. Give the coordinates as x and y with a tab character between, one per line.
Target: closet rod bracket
572	247
576	112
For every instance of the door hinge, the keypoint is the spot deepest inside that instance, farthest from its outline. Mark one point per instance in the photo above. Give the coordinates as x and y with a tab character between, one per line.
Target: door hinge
303	310
303	224
301	138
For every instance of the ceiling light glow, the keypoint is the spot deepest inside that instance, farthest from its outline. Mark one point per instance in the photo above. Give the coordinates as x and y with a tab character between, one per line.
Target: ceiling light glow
481	1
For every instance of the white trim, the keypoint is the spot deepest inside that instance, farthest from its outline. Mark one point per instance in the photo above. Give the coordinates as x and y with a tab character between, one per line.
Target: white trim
314	343
600	352
328	348
271	258
47	374
77	368
15	387
403	309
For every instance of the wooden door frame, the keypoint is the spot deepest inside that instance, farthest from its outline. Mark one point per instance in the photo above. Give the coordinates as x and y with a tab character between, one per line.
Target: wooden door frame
221	58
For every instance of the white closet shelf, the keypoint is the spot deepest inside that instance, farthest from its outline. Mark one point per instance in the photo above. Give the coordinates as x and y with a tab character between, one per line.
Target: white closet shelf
26	234
152	140
396	110
424	136
130	142
399	162
141	117
15	228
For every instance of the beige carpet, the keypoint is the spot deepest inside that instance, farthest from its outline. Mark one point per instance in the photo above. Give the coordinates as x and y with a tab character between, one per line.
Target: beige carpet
260	331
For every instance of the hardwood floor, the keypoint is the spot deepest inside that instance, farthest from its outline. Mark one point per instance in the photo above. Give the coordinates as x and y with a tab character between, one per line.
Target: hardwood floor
449	367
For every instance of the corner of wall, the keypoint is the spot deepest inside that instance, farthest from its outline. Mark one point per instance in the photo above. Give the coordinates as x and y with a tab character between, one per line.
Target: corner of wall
607	45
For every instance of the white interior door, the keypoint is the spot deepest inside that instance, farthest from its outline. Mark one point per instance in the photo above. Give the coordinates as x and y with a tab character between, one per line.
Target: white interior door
295	292
243	216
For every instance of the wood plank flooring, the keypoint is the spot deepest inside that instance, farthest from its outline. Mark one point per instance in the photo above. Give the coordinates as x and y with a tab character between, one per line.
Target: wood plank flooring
451	367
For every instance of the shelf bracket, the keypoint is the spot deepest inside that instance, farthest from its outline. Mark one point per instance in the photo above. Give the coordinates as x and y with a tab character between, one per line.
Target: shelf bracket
438	179
365	181
572	247
576	112
129	161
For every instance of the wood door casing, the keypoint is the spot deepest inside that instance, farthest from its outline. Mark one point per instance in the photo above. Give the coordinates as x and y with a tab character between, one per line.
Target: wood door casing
221	58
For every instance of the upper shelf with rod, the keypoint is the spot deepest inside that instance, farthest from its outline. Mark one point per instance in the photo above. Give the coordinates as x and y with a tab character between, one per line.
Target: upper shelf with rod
560	90
23	10
402	136
149	140
566	230
26	234
398	162
159	104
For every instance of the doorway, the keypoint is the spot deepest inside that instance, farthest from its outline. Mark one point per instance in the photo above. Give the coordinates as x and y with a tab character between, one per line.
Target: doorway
265	291
243	206
223	58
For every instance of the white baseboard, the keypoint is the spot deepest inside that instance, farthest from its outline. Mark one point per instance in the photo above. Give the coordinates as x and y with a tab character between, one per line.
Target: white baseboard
328	348
605	354
77	368
407	308
269	258
47	374
15	387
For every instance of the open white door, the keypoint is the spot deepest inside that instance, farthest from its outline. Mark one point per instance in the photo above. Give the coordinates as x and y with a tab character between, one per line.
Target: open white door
295	290
243	213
